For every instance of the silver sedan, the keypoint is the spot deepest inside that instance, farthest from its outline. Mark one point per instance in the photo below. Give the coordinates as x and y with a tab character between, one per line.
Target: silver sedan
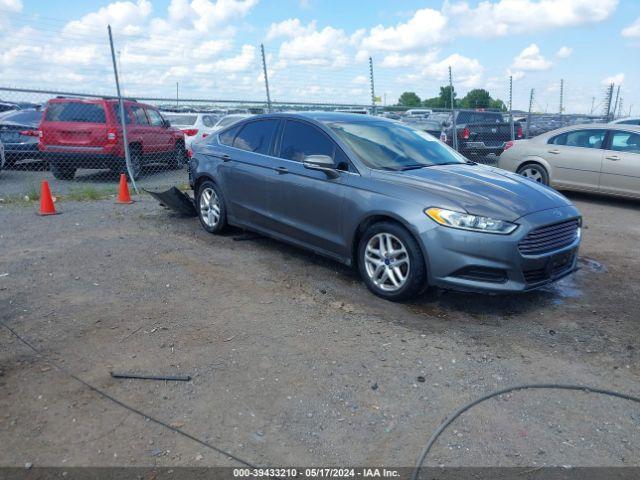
603	158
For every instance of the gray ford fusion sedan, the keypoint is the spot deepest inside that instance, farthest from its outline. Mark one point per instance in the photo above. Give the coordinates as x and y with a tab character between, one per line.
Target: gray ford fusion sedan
391	200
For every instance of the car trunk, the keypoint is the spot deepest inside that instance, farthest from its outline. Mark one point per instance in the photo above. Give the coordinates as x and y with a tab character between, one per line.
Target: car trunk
491	134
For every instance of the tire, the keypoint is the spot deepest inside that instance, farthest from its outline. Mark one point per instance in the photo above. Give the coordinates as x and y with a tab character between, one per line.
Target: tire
206	211
178	156
62	171
534	172
407	257
135	157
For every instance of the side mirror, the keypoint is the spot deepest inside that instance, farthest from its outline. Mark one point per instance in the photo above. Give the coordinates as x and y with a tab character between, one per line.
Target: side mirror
166	123
322	163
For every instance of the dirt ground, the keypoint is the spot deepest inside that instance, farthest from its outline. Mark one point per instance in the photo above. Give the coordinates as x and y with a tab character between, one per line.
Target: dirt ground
293	361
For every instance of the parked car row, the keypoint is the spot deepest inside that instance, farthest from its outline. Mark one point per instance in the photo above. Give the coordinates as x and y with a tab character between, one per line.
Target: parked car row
72	133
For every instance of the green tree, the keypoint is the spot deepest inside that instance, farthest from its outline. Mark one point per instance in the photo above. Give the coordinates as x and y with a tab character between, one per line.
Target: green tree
499	104
477	98
445	97
409	99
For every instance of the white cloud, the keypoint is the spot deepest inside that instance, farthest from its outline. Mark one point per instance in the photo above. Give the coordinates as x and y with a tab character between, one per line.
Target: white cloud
467	72
426	28
205	15
292	27
617	79
633	30
531	59
126	17
564	52
13	6
360	80
397	60
515	74
505	17
319	47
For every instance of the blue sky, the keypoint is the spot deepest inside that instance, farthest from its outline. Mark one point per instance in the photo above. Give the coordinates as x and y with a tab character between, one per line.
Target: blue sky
318	50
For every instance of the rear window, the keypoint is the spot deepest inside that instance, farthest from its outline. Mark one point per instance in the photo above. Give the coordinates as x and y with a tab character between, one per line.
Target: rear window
479	117
75	112
24	117
183	120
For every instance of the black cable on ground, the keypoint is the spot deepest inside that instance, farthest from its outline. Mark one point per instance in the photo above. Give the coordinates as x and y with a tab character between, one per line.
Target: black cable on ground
545	386
124	405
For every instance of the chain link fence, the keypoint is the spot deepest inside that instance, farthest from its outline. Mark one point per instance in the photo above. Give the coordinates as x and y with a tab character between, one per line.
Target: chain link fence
132	123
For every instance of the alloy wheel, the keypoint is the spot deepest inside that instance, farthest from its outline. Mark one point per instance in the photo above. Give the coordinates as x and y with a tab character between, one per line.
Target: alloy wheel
387	262
533	173
209	207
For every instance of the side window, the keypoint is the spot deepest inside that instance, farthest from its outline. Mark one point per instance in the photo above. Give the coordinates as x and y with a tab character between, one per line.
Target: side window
580	138
256	136
558	139
625	142
208	121
127	118
300	140
154	117
226	137
139	115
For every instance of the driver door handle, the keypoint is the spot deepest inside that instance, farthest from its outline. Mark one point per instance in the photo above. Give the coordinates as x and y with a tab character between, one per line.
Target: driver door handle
281	170
612	157
554	151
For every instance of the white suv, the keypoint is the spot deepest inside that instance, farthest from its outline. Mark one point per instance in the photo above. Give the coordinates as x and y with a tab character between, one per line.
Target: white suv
195	126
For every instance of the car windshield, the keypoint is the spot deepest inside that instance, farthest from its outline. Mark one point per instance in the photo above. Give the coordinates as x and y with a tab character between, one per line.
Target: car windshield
182	120
392	146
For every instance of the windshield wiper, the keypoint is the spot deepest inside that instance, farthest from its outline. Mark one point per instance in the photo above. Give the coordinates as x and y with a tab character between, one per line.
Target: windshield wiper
411	167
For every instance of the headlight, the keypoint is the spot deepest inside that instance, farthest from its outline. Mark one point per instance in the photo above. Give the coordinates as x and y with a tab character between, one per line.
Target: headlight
465	221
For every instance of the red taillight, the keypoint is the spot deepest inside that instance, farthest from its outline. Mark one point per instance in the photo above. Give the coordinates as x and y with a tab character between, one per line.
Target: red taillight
30	133
464	134
519	134
112	135
205	135
190	132
508	145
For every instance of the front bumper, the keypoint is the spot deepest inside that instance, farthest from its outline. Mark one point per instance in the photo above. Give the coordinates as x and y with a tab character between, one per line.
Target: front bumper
489	263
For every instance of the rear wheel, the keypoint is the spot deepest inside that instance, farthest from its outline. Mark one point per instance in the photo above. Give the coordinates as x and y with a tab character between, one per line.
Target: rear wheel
391	262
135	159
62	171
535	172
212	210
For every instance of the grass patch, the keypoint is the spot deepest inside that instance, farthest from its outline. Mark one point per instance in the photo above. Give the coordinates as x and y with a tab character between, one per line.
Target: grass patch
88	192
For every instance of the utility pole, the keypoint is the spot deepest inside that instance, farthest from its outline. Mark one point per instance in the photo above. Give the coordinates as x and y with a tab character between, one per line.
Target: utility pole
127	158
512	127
454	133
266	78
619	108
608	101
529	114
561	100
615	105
373	90
593	101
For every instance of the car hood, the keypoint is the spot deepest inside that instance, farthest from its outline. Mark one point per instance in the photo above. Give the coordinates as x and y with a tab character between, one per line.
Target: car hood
480	190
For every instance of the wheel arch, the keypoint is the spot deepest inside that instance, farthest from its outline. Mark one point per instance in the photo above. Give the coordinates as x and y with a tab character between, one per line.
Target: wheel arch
377	217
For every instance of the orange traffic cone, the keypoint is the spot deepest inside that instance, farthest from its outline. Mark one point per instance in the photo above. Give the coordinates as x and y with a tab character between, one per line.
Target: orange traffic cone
123	191
46	200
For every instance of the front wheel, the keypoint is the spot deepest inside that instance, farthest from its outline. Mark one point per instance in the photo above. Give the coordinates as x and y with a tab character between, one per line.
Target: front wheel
391	262
178	156
212	211
535	172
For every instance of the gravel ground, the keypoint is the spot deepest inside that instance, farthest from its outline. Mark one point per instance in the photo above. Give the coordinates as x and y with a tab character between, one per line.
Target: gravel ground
25	177
293	361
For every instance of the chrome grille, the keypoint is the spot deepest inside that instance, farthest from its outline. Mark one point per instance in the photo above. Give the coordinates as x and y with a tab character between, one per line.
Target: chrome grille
550	237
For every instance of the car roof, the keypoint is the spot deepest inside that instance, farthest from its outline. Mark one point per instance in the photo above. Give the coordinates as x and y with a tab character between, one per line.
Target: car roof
325	117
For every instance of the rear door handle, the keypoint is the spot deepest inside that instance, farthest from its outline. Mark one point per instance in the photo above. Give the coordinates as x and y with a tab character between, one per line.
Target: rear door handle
225	157
281	170
613	157
554	151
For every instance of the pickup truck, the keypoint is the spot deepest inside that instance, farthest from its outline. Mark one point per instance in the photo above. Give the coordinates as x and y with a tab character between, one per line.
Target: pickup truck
482	132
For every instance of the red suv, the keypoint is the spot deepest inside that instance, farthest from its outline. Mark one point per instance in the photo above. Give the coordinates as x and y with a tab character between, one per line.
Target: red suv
87	133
